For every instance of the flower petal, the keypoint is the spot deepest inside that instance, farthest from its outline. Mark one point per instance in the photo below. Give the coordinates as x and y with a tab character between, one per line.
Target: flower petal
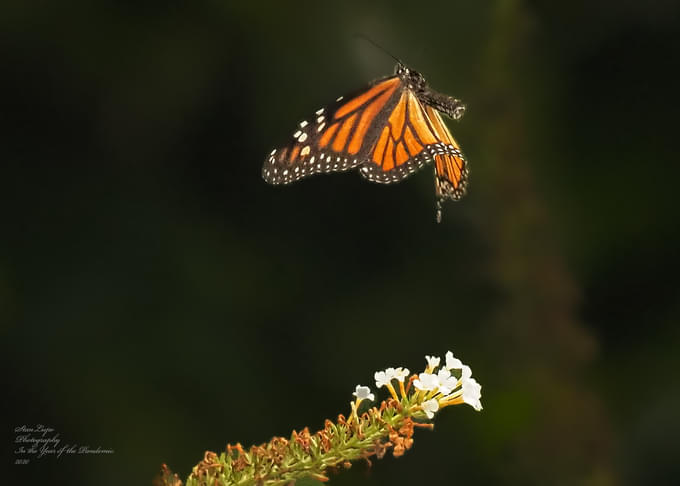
453	363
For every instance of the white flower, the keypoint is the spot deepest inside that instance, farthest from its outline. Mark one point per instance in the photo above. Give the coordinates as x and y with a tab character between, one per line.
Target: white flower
430	407
465	373
432	361
363	392
426	381
472	393
453	363
446	382
401	373
383	378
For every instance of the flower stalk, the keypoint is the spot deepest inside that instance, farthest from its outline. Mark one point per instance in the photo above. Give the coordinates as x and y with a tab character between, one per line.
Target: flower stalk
389	426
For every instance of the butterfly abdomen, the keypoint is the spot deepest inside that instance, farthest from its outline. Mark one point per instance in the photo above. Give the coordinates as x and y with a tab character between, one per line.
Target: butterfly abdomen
446	104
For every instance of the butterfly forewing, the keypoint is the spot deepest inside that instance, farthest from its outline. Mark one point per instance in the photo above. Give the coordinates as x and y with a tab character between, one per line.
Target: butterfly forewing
338	137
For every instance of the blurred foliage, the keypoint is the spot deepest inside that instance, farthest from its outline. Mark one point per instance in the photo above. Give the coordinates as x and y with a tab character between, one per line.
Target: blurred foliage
159	299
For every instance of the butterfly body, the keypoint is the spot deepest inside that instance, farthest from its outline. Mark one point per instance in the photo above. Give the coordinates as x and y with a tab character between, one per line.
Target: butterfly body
388	130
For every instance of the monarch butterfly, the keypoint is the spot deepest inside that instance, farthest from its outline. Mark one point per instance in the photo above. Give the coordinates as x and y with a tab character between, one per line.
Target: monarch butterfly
389	130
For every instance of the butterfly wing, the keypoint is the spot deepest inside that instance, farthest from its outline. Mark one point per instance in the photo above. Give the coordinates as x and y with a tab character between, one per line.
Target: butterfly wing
413	136
339	137
450	167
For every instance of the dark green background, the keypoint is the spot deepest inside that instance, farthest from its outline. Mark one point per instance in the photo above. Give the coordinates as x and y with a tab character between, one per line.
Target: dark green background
159	299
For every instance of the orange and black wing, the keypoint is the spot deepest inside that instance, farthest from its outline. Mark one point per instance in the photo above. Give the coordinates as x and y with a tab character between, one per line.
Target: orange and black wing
413	136
339	137
450	167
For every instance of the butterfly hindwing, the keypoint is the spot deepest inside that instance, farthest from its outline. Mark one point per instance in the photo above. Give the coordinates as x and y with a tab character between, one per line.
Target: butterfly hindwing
339	137
450	167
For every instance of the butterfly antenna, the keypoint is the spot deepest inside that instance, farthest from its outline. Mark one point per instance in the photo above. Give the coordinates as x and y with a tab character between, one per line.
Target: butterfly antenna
378	46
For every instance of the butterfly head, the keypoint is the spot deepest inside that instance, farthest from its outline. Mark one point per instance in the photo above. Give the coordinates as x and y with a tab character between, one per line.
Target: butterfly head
413	79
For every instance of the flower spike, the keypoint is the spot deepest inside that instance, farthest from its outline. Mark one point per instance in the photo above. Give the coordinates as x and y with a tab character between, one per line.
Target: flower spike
388	426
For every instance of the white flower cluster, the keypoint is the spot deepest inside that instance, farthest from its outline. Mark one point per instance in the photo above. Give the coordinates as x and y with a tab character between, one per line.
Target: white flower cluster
439	389
434	390
445	388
